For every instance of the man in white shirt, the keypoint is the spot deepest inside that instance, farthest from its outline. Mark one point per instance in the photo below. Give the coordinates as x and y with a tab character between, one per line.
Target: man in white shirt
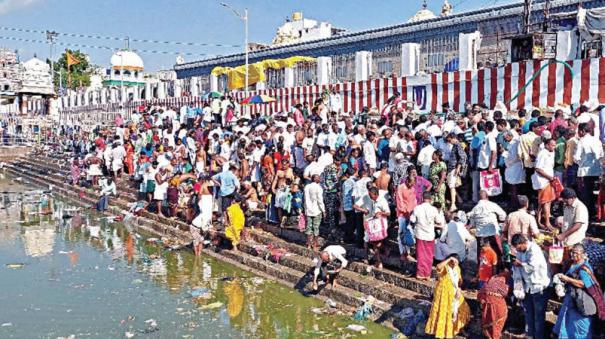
530	269
425	218
575	219
314	210
323	137
541	180
118	154
375	209
485	218
335	102
486	158
314	168
369	152
454	239
330	262
588	155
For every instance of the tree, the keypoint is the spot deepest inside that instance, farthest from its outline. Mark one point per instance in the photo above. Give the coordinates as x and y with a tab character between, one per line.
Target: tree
79	73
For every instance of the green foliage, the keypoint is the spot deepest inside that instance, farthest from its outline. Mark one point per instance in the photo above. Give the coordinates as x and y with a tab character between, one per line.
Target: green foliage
80	73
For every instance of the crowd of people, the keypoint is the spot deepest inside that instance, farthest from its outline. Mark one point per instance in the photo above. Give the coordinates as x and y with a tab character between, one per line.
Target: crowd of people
520	185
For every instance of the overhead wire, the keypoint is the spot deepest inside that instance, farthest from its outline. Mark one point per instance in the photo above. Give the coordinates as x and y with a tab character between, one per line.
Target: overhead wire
69	44
78	35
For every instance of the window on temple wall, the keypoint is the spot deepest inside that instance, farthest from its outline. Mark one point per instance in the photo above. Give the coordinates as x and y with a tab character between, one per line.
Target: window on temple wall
592	49
343	68
127	72
222	83
305	73
275	78
437	52
116	72
385	68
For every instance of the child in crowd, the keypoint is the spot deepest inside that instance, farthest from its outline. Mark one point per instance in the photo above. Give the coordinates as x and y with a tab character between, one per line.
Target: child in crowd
488	262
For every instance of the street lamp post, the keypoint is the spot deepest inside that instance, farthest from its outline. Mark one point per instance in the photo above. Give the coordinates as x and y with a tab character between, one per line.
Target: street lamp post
244	18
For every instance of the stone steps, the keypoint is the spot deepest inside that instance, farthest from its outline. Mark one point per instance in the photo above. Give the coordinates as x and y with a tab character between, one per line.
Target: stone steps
276	234
342	294
393	289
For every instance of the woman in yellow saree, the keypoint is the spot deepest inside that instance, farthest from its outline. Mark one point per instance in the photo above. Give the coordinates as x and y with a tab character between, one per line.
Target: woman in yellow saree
449	311
235	221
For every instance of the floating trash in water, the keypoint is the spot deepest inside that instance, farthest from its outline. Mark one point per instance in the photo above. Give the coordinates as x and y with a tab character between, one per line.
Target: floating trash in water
331	303
111	268
137	281
94	231
211	306
317	311
129	334
257	280
357	328
202	293
15	265
151	323
6	325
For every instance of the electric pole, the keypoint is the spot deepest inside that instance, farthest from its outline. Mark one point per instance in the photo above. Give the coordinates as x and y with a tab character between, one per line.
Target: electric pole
526	15
50	37
546	23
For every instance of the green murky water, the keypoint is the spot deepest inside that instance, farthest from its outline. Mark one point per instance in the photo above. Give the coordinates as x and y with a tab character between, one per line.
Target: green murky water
89	277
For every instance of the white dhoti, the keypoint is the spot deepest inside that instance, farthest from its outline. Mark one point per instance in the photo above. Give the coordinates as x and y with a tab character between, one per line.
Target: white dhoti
117	165
204	220
94	170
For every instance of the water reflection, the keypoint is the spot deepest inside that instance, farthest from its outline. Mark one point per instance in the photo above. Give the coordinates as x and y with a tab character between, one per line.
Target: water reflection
38	241
127	262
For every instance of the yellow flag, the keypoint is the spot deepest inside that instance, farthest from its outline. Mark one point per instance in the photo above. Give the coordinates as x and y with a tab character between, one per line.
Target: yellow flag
71	59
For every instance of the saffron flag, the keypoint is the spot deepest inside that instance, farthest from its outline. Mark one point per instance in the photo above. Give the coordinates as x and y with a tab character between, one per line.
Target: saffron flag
71	59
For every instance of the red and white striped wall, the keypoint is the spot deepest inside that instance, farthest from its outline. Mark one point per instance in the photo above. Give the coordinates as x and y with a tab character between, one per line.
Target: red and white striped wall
554	85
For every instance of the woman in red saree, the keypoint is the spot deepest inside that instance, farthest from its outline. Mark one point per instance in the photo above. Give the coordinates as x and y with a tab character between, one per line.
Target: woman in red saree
494	310
129	159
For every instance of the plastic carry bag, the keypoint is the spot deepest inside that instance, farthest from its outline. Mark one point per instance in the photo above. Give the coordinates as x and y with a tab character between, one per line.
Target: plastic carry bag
491	182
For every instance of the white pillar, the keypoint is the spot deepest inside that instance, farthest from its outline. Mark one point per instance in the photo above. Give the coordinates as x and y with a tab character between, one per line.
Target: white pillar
324	70
213	83
289	77
261	85
103	95
147	90
468	44
161	90
363	65
94	97
112	95
178	88
410	59
194	85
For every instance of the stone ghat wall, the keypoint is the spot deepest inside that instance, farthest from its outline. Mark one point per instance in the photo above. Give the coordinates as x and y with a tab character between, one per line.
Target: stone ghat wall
11	153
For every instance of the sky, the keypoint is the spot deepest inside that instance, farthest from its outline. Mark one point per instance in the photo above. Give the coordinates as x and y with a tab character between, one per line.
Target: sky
22	23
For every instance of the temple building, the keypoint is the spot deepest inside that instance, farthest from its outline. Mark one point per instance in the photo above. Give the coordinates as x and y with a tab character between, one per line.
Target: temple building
300	29
125	75
9	77
426	43
437	59
36	87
